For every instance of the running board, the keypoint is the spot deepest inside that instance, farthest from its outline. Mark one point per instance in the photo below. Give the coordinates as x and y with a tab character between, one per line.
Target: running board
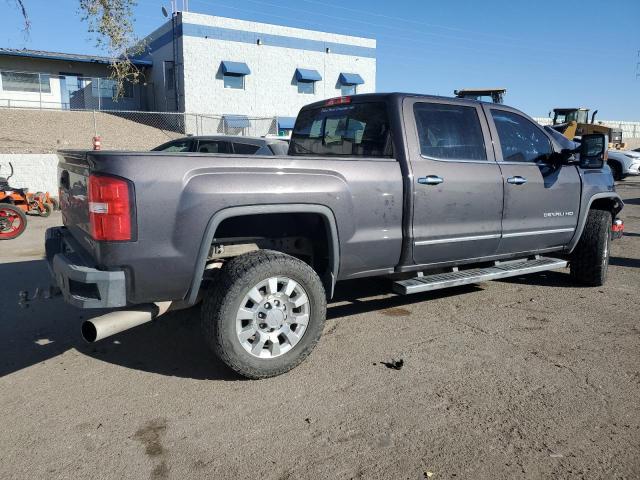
476	275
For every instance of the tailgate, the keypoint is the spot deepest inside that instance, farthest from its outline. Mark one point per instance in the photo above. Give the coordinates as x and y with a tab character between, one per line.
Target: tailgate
73	175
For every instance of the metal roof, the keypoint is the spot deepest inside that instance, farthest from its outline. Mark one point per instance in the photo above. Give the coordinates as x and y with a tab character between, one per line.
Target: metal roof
66	57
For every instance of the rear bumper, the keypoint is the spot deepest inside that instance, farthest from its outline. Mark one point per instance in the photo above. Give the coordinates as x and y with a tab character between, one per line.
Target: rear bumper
82	285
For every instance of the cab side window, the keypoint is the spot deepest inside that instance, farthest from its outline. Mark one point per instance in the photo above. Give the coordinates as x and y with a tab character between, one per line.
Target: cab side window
449	132
520	139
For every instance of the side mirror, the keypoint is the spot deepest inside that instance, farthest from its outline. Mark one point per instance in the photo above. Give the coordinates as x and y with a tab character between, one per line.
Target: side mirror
593	150
568	157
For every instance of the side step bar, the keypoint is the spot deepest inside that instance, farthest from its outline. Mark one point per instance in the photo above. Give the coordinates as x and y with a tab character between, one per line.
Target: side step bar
475	275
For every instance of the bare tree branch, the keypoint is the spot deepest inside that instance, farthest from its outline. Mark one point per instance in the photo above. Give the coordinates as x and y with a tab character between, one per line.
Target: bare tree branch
112	23
27	22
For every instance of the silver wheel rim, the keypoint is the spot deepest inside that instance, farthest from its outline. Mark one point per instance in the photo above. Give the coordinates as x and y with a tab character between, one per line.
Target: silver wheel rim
273	317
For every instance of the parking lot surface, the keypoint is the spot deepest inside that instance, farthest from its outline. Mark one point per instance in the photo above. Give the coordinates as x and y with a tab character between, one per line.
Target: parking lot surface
533	377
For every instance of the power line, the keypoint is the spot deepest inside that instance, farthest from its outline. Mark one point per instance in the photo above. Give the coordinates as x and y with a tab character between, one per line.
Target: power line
381	35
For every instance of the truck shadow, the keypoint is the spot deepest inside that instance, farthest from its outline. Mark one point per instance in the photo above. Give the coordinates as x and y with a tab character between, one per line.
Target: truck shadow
625	262
171	346
46	329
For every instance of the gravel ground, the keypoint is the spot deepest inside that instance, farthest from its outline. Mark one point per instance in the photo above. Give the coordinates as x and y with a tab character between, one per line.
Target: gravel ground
527	378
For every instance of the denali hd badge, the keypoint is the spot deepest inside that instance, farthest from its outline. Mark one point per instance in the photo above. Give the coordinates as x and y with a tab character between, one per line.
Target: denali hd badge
558	214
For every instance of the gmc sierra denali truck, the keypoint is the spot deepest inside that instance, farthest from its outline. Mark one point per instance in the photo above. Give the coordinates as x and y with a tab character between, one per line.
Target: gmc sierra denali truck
429	192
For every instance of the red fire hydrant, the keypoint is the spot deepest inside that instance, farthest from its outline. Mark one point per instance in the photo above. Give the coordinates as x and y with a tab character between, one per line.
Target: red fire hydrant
97	142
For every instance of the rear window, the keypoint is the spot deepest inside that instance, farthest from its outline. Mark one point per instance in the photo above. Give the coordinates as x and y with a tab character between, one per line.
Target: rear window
352	130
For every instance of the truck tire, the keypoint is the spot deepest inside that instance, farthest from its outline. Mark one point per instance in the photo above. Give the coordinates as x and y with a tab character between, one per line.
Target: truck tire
264	314
590	259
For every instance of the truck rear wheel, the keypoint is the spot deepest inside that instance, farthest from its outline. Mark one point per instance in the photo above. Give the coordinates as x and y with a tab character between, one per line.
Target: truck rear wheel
590	259
264	314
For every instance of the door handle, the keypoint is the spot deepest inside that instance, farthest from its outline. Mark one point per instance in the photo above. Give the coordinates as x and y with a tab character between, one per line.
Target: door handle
430	180
517	180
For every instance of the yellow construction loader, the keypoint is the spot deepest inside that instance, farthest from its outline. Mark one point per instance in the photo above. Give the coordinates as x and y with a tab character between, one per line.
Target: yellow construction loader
574	122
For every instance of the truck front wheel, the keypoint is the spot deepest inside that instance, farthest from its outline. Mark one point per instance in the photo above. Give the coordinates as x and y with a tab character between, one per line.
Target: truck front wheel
264	314
590	259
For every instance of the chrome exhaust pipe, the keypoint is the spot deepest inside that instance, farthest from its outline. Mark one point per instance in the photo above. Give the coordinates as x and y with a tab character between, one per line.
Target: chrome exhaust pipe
120	320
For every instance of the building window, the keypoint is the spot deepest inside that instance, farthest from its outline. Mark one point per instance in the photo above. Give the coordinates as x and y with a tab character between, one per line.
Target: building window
307	88
26	82
234	81
349	83
306	79
169	76
233	74
347	90
108	88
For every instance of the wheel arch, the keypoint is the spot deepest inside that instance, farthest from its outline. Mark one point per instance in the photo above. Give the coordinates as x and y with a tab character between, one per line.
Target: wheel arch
214	222
610	201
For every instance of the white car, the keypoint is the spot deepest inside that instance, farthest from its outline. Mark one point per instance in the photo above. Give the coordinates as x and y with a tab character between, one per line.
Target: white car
624	163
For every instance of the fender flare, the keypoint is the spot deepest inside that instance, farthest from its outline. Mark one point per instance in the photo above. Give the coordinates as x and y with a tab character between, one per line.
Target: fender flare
582	221
226	213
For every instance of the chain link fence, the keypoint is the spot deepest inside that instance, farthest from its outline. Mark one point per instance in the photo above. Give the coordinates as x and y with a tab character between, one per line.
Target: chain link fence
27	130
70	92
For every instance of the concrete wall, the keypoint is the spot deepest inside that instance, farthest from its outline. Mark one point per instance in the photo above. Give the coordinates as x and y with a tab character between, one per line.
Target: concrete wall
37	172
271	88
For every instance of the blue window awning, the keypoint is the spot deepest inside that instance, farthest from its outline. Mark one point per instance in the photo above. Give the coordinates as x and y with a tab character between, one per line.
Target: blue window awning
236	121
235	68
286	123
306	75
351	79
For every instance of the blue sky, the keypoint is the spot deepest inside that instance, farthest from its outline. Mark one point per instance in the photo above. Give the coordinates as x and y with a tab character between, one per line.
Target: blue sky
546	53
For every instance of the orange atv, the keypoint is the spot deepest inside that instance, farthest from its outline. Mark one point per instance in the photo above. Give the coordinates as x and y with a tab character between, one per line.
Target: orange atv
15	203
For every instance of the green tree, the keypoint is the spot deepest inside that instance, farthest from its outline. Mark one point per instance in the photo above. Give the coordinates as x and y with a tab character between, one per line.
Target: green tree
111	21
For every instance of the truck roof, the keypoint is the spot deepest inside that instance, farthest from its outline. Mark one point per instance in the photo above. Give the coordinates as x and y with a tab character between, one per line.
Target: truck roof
393	97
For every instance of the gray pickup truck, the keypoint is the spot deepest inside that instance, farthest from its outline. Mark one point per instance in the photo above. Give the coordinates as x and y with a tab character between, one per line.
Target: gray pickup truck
428	192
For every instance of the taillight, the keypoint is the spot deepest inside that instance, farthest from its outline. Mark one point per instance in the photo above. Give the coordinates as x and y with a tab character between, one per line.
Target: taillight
337	101
109	208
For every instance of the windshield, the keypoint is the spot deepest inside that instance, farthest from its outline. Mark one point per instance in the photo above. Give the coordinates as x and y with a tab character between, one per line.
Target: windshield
580	116
360	129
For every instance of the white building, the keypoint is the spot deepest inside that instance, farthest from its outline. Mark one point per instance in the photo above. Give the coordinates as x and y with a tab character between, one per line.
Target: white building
68	81
236	68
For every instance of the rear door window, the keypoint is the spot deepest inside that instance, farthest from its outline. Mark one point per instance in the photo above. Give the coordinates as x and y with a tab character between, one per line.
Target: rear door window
449	132
351	130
